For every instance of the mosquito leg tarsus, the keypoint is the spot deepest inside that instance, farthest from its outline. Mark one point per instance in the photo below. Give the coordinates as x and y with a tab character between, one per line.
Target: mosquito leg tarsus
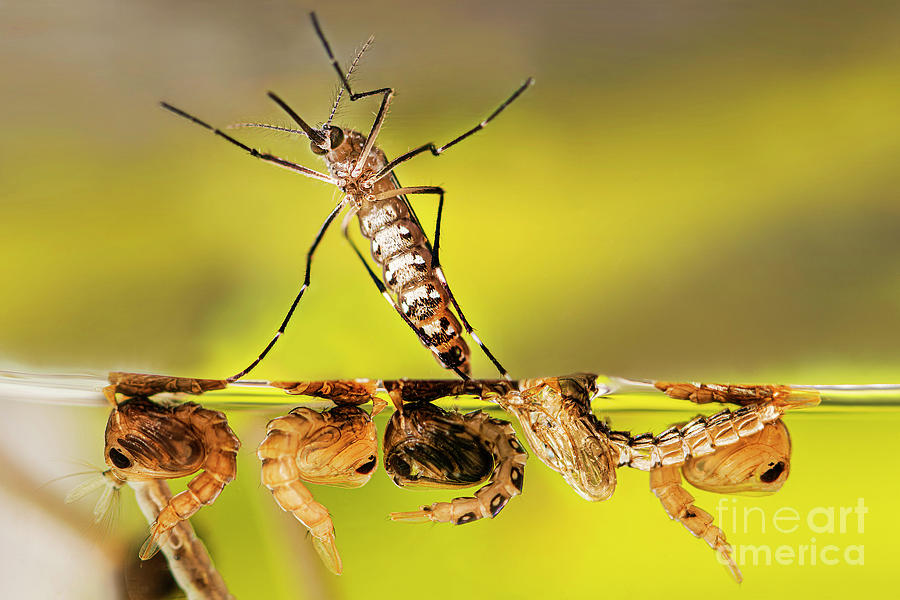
437	151
306	279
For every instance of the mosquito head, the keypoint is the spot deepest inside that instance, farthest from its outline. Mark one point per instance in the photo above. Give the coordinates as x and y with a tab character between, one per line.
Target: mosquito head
333	137
321	141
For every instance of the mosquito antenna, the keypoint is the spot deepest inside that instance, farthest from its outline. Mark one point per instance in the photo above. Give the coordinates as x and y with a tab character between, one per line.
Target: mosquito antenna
267	126
349	73
311	133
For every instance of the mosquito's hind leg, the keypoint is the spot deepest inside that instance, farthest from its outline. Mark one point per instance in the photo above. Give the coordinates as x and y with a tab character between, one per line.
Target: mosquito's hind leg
290	312
436	264
388	94
383	290
437	151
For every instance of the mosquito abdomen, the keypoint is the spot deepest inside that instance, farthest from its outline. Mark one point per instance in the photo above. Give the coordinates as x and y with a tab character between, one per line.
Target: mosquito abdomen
400	248
375	215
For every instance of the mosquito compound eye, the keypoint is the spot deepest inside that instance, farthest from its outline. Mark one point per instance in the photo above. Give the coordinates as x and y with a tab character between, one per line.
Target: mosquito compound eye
337	136
119	460
316	149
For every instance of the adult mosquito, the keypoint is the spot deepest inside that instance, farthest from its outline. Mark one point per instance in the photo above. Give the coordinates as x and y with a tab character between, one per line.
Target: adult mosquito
412	281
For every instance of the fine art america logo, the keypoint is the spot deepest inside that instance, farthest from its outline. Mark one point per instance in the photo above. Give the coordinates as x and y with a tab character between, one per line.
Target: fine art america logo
827	521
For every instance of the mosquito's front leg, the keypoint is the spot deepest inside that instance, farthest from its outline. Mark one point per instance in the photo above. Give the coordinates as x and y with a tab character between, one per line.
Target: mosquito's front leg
270	158
437	151
387	94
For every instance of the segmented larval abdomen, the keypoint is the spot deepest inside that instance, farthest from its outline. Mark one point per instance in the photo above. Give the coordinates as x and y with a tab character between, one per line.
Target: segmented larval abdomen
400	247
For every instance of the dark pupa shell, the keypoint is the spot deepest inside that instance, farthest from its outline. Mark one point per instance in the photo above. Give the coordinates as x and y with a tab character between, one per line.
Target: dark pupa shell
425	446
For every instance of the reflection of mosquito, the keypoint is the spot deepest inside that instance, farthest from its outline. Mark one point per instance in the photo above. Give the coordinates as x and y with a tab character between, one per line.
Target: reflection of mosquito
413	280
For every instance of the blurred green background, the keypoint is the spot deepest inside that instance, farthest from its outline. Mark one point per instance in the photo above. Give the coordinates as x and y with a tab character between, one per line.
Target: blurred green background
691	190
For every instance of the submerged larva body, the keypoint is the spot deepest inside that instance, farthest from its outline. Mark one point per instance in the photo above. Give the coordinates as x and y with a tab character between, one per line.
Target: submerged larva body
746	450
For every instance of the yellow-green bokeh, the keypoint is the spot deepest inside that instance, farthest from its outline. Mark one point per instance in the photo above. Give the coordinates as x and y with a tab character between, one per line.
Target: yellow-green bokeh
692	190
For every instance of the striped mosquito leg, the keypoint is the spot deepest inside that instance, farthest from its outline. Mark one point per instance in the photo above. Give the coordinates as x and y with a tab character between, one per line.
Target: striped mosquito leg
506	481
387	95
665	483
439	271
306	280
437	151
252	151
